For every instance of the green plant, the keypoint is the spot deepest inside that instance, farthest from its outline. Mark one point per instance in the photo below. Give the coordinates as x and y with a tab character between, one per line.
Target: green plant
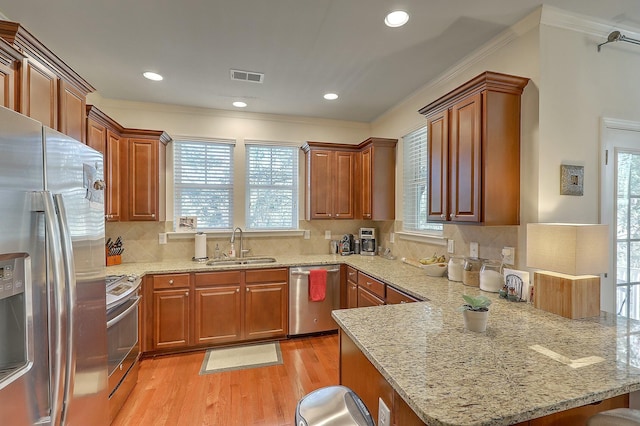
475	303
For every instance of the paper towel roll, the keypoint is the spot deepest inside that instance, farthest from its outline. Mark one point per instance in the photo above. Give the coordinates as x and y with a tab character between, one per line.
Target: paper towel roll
201	246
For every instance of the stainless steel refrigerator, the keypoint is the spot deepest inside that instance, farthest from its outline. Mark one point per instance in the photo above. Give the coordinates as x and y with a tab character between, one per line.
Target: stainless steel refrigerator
53	344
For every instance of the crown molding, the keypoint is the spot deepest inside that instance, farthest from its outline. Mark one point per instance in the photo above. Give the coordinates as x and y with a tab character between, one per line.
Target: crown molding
554	17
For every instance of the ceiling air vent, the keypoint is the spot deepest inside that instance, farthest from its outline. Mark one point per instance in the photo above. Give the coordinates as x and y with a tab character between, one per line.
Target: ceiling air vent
250	76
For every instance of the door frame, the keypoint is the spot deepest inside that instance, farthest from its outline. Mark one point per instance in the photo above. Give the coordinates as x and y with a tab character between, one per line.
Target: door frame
607	202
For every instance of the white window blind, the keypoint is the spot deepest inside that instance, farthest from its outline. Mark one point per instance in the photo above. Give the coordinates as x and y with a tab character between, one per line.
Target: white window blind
203	182
272	186
415	183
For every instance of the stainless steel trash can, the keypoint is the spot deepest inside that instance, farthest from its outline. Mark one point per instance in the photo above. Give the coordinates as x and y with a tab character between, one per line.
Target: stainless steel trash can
332	406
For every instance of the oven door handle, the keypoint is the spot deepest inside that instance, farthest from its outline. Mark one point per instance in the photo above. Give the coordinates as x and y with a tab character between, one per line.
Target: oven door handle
125	313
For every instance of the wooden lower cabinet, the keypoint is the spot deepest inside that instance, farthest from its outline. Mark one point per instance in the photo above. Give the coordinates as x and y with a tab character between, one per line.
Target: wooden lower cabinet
266	309
395	297
218	307
193	310
360	375
366	298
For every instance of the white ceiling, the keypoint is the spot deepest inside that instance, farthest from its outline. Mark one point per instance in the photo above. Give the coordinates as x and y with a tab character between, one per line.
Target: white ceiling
305	48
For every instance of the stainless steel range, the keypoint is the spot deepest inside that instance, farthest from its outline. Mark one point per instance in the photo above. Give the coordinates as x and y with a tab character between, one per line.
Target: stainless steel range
123	346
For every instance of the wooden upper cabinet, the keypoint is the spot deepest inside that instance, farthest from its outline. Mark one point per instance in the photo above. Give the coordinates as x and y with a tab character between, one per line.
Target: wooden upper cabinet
377	179
351	181
473	136
103	135
329	182
72	111
145	175
40	93
10	63
49	90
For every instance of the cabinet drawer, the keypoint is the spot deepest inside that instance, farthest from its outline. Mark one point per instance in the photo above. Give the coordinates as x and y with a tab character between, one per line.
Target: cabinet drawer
366	298
170	281
396	296
371	284
352	274
267	275
216	278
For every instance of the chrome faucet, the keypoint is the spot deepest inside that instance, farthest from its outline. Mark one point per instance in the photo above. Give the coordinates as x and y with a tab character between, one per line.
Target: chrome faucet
233	239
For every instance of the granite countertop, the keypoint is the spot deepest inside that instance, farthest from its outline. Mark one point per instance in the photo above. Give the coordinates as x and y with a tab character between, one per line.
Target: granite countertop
529	363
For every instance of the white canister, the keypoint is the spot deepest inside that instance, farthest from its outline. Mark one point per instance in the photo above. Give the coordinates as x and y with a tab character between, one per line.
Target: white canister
491	278
454	270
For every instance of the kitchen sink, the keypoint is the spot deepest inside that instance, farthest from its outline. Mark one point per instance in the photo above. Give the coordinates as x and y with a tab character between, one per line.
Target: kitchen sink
243	261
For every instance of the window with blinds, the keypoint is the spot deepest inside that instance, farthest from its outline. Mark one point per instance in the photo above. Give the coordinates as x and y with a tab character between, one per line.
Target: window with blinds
415	183
203	182
272	186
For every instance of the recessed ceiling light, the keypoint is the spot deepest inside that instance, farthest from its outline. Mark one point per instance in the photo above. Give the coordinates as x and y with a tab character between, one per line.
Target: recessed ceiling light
152	76
330	96
239	104
397	18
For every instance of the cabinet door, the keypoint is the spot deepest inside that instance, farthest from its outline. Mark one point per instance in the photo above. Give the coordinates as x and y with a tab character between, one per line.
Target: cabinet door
40	93
96	136
367	207
143	179
343	193
8	76
320	184
352	295
72	112
438	157
465	158
170	318
368	299
266	310
218	314
113	176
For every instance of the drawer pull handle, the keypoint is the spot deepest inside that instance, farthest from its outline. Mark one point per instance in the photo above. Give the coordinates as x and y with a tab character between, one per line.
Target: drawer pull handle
170	282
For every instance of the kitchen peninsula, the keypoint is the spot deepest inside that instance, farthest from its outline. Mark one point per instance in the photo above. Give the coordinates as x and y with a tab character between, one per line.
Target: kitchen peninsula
527	365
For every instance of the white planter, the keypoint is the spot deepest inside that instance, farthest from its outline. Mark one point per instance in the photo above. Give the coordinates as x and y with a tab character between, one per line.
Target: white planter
475	320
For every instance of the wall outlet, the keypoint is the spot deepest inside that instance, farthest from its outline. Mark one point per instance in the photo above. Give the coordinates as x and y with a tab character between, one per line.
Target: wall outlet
509	255
384	414
162	238
473	249
307	234
327	235
392	237
451	246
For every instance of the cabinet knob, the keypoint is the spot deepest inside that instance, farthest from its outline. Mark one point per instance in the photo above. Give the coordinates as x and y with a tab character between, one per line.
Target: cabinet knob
237	290
402	302
337	214
153	215
186	293
443	216
170	282
247	290
451	216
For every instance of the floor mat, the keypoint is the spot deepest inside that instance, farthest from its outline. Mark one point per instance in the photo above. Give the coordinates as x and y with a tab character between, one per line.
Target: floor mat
241	357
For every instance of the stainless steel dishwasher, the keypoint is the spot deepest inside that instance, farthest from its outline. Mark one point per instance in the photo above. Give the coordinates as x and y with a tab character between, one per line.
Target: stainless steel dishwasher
305	316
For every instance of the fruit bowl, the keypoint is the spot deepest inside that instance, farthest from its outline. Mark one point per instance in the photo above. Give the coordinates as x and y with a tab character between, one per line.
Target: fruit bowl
435	269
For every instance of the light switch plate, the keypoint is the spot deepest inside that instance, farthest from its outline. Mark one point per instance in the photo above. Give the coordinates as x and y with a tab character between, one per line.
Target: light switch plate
509	255
162	238
392	237
307	234
451	246
384	414
327	235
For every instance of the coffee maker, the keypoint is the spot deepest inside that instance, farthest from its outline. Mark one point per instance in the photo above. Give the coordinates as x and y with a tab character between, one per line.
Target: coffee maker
346	244
368	241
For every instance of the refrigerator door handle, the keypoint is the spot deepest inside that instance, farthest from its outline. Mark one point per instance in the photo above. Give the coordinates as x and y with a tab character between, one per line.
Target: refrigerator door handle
58	351
71	295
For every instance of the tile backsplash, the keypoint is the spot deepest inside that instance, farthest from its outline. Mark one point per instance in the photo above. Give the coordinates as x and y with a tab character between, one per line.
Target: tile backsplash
140	240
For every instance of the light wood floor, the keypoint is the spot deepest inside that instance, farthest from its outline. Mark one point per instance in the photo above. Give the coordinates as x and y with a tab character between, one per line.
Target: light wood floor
171	392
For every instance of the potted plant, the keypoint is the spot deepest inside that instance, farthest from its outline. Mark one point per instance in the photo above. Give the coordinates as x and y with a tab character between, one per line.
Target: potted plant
475	312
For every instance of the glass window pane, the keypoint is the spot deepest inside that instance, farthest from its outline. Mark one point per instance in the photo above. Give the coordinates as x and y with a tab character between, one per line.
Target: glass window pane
203	182
634	302
622	276
622	219
415	183
272	186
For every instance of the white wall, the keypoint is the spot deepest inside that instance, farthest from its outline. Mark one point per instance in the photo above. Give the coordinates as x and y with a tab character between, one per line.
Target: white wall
579	86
